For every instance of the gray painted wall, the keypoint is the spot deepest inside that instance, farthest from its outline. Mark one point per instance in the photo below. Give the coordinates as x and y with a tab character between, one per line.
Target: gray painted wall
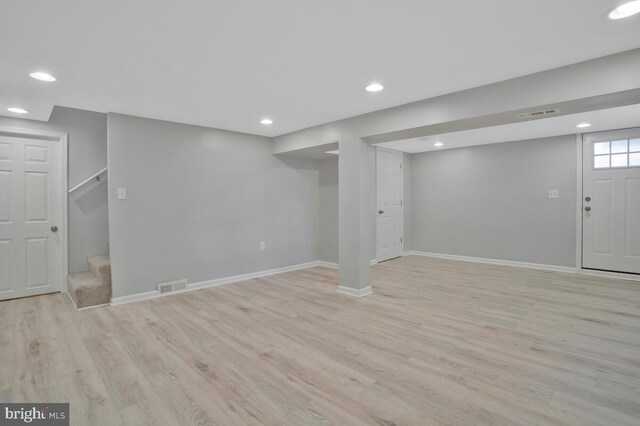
407	202
199	202
492	201
328	170
87	150
328	205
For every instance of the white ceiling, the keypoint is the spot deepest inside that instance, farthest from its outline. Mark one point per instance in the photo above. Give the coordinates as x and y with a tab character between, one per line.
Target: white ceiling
230	63
614	118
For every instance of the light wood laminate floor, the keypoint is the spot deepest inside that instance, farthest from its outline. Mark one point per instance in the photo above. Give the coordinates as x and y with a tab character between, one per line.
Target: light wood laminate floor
439	342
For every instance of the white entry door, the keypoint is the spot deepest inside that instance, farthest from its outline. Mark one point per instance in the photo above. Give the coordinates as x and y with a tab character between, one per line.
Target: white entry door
390	216
30	216
611	201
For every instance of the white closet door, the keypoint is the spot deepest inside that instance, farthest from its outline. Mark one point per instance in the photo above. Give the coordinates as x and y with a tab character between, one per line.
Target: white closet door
30	215
390	208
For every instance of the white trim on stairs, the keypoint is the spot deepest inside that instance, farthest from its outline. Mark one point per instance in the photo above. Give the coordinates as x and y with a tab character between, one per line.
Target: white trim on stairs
217	282
500	262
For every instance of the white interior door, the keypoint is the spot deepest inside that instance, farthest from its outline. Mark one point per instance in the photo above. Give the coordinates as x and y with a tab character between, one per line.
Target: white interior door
611	201
30	211
390	215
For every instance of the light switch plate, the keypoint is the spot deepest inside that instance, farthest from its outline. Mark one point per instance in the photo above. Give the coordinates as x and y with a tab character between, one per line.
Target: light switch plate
554	193
122	193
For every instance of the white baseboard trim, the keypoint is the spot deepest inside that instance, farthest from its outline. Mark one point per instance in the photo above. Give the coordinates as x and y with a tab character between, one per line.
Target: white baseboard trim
608	274
500	262
140	296
331	265
353	292
94	306
214	283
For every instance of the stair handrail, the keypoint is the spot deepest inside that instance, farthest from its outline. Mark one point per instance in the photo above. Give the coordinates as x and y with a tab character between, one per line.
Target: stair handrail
89	179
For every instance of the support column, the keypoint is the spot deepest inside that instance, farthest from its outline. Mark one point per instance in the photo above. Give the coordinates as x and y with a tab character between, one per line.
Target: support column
354	188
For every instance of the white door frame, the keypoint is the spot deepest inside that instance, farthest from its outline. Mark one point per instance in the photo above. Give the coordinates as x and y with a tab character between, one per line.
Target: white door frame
379	148
62	138
579	218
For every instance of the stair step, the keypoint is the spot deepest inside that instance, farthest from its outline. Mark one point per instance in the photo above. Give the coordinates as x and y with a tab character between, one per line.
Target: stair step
97	264
93	287
78	280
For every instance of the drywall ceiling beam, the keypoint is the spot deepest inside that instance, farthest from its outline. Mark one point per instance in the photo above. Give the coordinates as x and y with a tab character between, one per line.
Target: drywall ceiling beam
606	76
595	103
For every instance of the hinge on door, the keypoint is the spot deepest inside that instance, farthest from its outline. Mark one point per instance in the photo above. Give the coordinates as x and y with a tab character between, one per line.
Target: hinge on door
400	165
400	239
400	202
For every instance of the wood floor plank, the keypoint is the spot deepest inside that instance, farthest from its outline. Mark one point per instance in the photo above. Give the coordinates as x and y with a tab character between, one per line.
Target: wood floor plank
7	332
31	352
438	342
75	375
123	381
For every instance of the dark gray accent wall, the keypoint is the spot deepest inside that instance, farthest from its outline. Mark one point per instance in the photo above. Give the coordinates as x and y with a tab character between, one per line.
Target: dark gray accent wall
200	201
87	154
491	201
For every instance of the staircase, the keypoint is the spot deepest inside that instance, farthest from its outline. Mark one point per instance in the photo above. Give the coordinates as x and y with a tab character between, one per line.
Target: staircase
91	288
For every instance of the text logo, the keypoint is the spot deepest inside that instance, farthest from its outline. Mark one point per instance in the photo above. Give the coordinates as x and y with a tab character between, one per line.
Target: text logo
41	414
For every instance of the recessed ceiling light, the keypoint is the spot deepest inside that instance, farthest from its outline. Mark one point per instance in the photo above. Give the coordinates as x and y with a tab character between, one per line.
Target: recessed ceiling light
625	10
438	144
18	110
583	125
266	121
374	87
43	76
336	152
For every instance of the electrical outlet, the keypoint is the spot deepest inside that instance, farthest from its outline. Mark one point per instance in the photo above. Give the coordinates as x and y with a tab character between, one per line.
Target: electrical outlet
554	193
263	246
122	193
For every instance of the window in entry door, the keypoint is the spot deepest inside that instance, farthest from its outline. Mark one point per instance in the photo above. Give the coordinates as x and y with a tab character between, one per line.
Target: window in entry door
615	154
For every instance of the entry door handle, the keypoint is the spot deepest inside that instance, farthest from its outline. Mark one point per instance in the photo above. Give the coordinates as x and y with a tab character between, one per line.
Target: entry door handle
380	211
587	209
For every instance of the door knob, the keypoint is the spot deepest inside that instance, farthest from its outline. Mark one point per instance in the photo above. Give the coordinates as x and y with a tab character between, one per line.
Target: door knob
380	211
54	228
587	199
587	209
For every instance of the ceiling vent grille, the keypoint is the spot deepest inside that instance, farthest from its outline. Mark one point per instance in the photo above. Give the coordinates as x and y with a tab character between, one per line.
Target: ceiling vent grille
536	114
